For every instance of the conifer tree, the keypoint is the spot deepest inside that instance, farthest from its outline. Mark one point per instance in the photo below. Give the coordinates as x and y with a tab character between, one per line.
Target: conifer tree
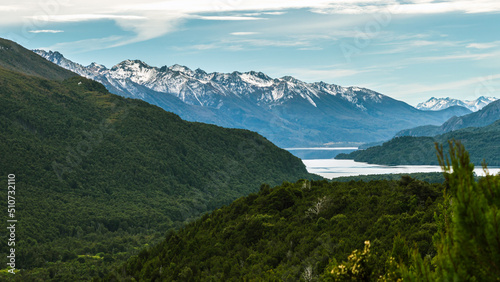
468	239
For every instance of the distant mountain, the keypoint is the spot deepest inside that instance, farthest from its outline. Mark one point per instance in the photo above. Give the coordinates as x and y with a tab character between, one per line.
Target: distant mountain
100	176
483	117
285	110
481	142
436	104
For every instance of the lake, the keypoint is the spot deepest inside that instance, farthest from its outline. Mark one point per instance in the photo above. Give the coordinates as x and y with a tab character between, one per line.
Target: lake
320	161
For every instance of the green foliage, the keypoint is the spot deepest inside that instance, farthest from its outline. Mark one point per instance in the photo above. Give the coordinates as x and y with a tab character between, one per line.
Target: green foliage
293	232
14	57
468	238
395	152
415	234
431	177
101	174
481	142
359	267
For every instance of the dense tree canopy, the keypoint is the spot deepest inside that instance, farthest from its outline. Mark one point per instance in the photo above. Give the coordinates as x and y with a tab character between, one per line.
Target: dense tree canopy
481	142
293	231
100	176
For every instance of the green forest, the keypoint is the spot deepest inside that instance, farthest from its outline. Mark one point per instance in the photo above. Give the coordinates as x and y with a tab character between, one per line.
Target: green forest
331	231
99	177
481	142
293	230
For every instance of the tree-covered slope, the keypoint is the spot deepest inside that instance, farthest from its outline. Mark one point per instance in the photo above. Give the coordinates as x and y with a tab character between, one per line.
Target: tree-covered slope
481	142
486	116
405	230
292	232
98	176
16	58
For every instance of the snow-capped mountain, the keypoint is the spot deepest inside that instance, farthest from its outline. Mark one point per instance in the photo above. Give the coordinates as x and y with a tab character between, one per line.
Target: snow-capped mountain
436	104
199	88
286	110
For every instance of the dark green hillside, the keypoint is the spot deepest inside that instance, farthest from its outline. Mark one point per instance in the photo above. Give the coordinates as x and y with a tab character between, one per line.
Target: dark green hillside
431	177
284	233
332	231
98	176
400	150
16	58
481	142
486	116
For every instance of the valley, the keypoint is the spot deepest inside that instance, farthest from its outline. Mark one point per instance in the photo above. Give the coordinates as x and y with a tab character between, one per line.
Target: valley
140	173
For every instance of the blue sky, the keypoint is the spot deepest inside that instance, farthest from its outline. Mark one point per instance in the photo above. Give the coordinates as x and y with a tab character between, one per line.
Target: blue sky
410	50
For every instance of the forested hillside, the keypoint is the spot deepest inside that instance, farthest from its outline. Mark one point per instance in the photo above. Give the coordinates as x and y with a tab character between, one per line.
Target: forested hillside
481	142
100	176
293	231
16	58
332	231
486	116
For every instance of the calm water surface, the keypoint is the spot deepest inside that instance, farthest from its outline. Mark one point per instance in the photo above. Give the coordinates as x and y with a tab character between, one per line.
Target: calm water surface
320	161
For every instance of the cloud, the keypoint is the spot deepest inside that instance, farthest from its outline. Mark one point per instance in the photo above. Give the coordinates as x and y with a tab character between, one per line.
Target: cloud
484	45
311	48
46	31
8	8
86	45
155	18
274	13
315	75
243	33
393	45
457	56
447	86
84	17
228	18
409	7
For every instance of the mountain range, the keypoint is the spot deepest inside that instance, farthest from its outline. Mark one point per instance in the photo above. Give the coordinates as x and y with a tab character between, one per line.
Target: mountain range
486	116
287	111
436	104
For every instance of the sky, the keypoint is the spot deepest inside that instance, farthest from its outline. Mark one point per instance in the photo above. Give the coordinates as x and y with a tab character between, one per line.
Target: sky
410	50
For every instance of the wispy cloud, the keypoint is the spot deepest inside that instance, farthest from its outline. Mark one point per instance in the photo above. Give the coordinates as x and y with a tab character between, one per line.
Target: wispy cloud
310	48
46	31
456	56
409	7
84	17
393	45
155	18
243	33
242	43
87	44
7	8
321	74
405	90
228	18
484	45
264	13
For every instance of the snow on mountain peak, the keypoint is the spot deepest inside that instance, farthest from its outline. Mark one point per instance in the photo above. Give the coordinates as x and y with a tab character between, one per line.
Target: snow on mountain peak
135	70
181	69
201	88
435	104
257	80
96	66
